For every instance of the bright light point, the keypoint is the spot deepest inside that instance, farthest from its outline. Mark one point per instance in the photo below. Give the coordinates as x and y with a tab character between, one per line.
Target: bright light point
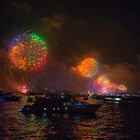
117	99
23	89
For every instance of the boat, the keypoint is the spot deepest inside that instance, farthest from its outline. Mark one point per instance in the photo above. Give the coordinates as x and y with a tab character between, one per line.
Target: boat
121	99
8	96
57	104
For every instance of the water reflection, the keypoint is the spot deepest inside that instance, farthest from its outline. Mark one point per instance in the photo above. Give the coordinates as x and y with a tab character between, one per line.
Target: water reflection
111	122
52	126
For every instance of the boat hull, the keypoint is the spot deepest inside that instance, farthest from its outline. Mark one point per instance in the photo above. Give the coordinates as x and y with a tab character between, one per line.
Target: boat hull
69	109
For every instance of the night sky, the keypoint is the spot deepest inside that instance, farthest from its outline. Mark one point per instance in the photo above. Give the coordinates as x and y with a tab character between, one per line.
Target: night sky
108	30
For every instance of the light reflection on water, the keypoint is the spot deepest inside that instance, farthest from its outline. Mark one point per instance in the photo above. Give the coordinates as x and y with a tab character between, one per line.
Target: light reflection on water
111	122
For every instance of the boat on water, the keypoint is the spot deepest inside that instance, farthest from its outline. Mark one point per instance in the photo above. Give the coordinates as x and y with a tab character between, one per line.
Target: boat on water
57	104
122	99
8	96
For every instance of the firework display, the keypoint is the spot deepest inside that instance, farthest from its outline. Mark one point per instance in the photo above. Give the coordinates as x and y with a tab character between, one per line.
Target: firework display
103	80
23	89
28	52
87	68
122	88
106	86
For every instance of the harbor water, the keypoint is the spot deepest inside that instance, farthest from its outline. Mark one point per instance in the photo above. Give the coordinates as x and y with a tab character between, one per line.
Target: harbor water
110	122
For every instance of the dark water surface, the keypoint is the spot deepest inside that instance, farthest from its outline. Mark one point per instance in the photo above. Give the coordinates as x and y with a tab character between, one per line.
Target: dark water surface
110	122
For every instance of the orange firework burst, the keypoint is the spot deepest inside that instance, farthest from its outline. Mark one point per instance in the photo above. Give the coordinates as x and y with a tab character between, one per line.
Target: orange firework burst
16	58
123	88
103	80
87	68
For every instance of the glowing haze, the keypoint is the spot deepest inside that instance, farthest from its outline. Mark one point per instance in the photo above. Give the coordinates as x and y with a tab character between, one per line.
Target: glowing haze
106	86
